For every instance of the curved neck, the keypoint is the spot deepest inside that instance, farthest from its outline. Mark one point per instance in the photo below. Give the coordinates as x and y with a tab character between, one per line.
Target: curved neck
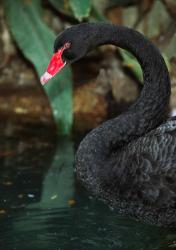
149	109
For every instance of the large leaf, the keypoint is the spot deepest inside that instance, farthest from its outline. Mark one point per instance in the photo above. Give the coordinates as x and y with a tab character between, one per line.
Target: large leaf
171	49
61	5
156	21
35	40
131	62
130	16
80	8
97	10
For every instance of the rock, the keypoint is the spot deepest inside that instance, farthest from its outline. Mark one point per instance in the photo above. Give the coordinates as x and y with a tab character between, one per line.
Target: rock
124	88
90	107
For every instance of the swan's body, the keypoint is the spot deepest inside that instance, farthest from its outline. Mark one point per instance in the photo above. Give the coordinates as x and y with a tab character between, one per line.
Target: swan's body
139	178
130	161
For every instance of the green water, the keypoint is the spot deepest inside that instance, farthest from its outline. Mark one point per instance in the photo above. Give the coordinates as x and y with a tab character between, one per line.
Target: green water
43	207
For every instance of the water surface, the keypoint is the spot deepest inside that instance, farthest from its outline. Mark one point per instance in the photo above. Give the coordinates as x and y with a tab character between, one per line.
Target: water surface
42	207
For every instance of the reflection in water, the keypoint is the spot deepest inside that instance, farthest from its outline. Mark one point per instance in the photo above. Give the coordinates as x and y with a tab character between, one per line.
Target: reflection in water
37	208
58	184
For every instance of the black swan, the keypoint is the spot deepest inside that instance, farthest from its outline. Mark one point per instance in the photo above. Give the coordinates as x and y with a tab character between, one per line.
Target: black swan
128	161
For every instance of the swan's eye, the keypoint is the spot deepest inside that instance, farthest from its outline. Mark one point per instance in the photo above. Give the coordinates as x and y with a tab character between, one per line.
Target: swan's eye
67	45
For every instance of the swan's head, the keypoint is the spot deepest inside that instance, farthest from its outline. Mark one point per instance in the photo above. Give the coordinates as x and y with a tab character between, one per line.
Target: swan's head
69	46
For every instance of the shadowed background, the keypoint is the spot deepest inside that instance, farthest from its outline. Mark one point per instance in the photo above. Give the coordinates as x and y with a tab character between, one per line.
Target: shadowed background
41	206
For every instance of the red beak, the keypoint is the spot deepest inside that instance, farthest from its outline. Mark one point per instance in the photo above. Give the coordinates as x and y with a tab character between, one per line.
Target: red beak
55	65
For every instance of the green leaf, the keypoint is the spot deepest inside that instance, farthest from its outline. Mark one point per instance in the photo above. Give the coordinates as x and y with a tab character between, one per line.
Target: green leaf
166	59
131	62
97	11
35	40
61	5
156	21
80	8
97	15
130	16
171	49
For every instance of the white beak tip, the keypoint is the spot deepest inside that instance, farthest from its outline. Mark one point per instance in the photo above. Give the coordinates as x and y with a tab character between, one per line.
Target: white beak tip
45	78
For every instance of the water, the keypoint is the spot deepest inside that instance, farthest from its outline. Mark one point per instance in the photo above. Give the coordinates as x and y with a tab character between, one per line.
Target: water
42	206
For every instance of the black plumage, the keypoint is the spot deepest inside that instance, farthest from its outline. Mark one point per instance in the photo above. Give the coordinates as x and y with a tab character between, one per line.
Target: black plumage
130	161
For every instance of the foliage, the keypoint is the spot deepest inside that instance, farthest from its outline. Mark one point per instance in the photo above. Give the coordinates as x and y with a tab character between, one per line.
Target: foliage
61	5
131	63
35	40
171	51
80	8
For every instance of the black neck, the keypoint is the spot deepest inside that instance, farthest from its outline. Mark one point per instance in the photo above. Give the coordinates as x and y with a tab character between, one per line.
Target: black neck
148	111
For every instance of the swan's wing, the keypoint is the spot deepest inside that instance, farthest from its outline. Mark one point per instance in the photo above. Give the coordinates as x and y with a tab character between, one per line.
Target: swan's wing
148	169
141	179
